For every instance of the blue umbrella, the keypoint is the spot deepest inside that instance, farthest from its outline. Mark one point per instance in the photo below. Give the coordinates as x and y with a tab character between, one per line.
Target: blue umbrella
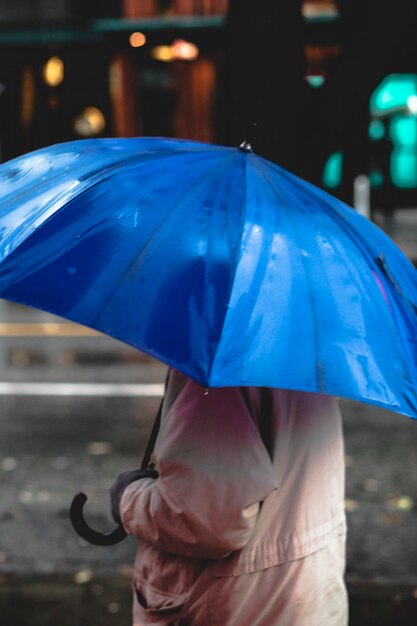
215	261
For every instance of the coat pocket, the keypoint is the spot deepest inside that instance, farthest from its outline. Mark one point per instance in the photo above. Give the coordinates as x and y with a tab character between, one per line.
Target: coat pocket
156	607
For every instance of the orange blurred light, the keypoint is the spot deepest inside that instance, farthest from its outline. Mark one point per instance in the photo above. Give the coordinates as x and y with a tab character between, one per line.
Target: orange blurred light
184	50
137	40
53	71
91	122
162	53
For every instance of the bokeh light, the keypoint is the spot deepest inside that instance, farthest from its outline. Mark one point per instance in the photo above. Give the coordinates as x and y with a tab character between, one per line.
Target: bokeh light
162	53
184	50
179	50
412	104
53	71
137	40
91	122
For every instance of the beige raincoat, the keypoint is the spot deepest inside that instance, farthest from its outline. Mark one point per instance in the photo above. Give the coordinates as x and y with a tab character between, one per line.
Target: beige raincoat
229	537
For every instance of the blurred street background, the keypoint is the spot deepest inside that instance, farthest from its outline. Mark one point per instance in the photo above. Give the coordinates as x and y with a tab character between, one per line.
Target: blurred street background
333	88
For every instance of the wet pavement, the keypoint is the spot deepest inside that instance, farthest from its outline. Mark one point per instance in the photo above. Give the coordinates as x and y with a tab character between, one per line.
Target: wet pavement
56	441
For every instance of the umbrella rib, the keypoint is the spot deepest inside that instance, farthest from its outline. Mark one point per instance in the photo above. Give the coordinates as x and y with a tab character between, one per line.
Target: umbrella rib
237	256
381	263
58	174
88	178
131	162
336	212
318	366
60	199
99	169
356	237
136	257
377	258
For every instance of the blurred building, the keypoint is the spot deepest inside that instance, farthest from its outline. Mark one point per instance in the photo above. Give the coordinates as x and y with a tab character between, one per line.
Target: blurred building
335	93
71	69
313	78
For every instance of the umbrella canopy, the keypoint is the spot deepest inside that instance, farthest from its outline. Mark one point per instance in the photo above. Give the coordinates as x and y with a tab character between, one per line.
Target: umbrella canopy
215	261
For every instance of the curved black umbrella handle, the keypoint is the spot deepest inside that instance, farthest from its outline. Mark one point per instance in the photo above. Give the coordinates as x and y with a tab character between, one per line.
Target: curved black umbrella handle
118	534
81	527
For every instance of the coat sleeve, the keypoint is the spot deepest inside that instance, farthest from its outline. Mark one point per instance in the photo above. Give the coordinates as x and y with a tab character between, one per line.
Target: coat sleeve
214	472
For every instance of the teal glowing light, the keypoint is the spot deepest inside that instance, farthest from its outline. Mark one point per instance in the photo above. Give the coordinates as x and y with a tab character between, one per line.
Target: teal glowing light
332	173
396	98
392	93
403	164
316	80
376	178
403	130
404	167
376	130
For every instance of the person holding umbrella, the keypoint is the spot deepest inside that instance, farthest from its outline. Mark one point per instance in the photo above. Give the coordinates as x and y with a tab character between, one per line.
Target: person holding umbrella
268	299
241	518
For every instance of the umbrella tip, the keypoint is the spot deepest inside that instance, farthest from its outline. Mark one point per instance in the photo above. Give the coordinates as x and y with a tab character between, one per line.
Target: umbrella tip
246	146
